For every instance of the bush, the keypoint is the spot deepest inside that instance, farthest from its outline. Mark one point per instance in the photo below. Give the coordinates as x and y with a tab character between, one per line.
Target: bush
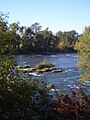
21	99
76	107
44	64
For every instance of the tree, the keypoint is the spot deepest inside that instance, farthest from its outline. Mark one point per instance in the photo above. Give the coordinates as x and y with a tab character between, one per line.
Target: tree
67	40
36	27
48	40
83	47
27	36
20	99
14	27
3	30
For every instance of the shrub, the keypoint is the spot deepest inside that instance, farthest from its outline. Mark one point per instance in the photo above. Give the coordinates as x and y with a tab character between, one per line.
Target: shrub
44	64
21	99
71	108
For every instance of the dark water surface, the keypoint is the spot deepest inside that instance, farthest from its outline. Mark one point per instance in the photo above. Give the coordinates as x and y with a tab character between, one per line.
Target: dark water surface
66	80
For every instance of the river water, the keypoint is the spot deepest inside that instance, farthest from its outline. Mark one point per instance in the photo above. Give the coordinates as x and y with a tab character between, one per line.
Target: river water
66	80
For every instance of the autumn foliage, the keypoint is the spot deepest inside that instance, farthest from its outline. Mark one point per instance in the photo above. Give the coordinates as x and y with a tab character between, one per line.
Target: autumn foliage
76	107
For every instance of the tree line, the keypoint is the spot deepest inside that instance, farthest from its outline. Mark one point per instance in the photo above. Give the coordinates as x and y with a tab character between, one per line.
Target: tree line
24	40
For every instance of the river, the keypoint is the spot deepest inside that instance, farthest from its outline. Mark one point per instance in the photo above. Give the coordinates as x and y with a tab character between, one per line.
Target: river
66	80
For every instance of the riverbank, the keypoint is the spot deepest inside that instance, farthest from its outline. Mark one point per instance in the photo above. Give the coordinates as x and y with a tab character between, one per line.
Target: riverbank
46	53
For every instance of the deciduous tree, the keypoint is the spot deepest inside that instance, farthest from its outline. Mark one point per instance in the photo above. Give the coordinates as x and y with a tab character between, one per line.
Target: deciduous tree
83	47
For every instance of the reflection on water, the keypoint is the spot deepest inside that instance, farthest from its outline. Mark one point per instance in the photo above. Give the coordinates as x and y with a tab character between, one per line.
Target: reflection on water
63	80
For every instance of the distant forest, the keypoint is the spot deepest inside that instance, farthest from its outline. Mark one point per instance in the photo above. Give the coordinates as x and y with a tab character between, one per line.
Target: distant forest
25	40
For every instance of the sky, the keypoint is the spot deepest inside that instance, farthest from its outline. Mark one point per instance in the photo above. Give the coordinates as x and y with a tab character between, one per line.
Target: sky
57	15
